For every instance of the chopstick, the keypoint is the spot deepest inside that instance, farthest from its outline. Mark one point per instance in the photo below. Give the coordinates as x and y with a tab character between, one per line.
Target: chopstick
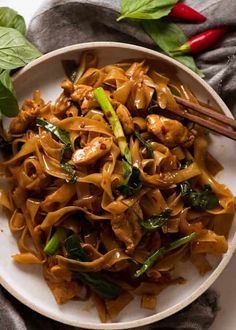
226	131
206	111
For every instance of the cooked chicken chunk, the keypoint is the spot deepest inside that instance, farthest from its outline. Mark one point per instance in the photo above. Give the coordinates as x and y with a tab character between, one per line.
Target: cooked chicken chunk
127	228
94	150
170	132
125	119
29	112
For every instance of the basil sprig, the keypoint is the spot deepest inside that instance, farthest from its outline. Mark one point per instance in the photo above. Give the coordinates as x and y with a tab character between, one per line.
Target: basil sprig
15	52
10	18
145	9
8	102
169	36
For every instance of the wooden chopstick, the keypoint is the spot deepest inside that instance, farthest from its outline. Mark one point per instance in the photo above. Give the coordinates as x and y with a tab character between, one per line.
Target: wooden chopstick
206	111
204	122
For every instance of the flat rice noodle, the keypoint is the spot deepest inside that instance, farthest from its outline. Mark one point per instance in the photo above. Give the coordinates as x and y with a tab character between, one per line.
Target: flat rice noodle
209	242
201	263
59	198
51	147
122	93
104	262
114	307
149	288
100	307
17	222
121	205
27	258
26	150
171	178
74	124
168	262
153	203
148	301
5	201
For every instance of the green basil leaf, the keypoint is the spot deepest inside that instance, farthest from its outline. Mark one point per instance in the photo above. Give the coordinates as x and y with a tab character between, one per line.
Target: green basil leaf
62	135
134	184
15	50
145	9
168	36
157	220
198	200
8	102
146	144
71	170
74	249
10	18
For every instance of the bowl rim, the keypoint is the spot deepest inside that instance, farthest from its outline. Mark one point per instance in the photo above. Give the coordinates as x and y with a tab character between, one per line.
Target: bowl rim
225	259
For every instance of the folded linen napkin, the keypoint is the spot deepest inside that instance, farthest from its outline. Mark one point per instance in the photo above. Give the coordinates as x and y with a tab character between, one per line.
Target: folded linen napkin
60	23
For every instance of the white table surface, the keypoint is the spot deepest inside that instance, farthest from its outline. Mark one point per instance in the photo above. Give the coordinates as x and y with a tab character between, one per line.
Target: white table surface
226	283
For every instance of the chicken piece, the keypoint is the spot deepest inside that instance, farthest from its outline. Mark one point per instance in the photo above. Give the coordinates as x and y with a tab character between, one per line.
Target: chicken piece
127	228
170	132
29	112
68	86
125	119
94	150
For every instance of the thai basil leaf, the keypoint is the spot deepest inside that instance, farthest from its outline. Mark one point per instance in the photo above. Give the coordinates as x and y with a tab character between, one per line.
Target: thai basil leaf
145	9
185	163
15	50
161	252
134	184
70	67
97	280
169	36
8	102
101	284
146	144
199	200
157	220
10	18
62	135
71	170
74	249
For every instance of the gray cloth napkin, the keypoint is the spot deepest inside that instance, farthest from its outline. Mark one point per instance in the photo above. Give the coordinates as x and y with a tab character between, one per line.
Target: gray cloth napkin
61	23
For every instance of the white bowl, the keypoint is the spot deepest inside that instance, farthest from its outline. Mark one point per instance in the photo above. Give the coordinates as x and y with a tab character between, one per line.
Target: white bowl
26	282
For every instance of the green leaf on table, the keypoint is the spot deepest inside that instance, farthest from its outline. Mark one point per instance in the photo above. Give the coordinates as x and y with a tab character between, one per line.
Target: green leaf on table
168	36
15	50
8	102
10	18
145	9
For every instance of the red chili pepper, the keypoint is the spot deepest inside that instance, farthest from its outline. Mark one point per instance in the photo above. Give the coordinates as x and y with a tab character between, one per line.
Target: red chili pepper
182	11
202	41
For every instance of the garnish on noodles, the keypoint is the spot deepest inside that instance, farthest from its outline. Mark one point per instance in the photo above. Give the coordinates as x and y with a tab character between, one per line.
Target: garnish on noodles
108	191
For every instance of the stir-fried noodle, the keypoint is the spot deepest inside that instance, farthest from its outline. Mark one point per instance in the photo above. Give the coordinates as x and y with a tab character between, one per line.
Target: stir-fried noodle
108	191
